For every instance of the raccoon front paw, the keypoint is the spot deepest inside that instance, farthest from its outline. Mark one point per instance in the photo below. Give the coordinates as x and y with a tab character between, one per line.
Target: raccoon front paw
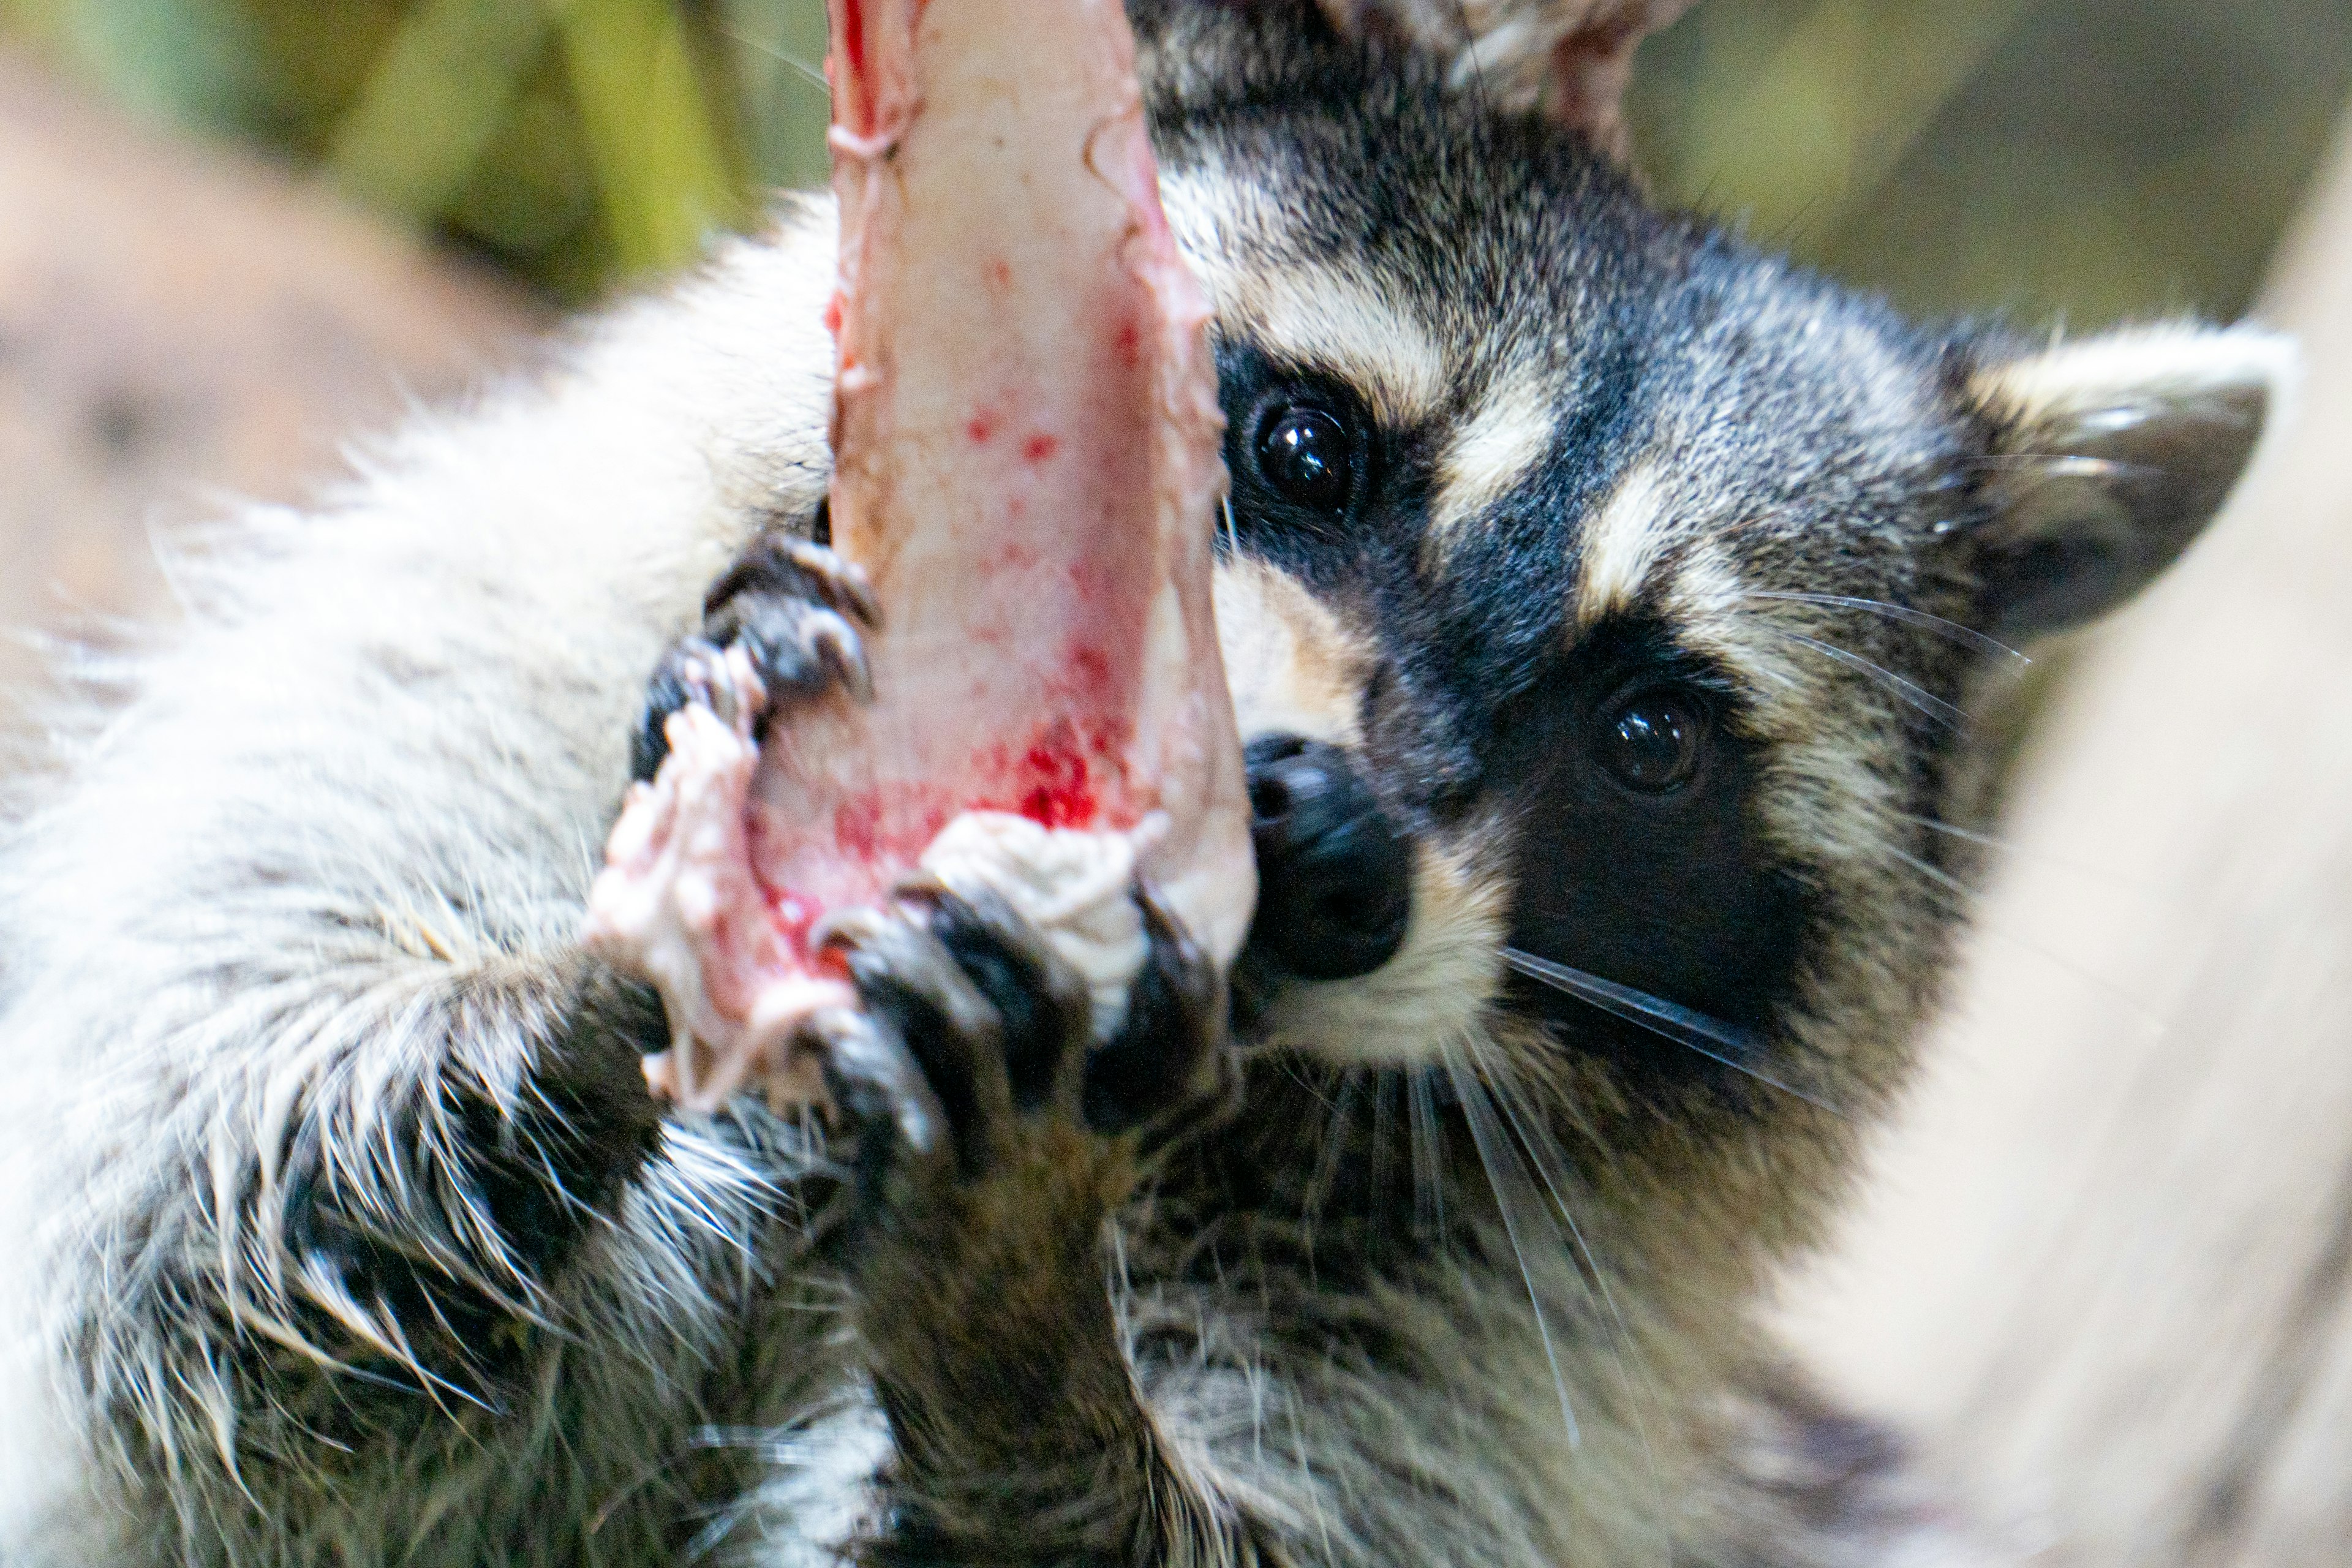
971	1066
795	612
993	1140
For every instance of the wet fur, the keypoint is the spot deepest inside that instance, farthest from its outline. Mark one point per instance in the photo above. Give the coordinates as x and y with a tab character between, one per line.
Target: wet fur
343	1230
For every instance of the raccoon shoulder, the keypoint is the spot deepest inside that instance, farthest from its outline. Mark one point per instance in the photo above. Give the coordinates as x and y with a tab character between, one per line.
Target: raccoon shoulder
439	660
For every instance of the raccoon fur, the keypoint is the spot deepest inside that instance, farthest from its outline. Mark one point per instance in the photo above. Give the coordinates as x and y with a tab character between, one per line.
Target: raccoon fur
1622	594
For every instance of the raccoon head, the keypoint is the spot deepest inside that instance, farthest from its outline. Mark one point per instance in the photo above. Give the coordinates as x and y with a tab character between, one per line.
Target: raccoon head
1605	603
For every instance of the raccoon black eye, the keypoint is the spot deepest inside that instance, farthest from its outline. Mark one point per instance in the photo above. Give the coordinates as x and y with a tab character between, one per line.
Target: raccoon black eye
1303	456
1653	741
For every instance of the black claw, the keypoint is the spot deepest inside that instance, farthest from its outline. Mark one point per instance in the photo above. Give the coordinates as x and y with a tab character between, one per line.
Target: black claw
1165	1053
798	611
782	566
1042	1002
877	1087
915	993
798	648
971	1022
679	678
649	741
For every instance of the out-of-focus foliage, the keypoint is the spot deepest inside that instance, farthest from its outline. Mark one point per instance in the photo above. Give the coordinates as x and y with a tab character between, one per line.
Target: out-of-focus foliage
2096	158
579	144
2090	158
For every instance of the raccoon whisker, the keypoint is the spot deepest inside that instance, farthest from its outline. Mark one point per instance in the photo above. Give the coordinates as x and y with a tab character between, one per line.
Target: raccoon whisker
1426	1143
2070	463
1326	1173
709	1539
1299	1450
2009	846
1289	1070
1937	875
1541	1152
1953	830
1918	695
1384	1099
1233	530
1965	900
1484	1136
1785	237
800	68
1951	631
1470	57
1711	1038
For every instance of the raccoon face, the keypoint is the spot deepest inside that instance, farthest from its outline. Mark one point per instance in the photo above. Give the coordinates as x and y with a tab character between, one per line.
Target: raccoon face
1604	603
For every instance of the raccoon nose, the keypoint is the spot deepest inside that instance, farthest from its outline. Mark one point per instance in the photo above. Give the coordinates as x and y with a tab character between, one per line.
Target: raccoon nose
1335	883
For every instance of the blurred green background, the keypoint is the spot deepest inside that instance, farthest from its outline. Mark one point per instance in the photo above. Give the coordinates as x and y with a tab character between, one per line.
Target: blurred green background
2089	159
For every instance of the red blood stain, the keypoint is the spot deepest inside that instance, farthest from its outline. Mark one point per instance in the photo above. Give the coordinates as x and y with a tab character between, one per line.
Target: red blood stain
1054	782
852	42
980	427
1090	665
999	273
1129	345
853	23
857	825
1064	799
1039	447
1069	772
834	309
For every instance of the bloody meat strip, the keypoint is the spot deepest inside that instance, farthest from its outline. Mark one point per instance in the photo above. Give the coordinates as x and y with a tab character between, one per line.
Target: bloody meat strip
1026	447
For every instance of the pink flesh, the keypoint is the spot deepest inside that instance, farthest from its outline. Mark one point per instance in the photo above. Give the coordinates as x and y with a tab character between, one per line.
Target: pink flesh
1027	446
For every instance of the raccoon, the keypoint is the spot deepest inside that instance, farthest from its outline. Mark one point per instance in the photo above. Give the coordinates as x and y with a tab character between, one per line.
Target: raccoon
1604	604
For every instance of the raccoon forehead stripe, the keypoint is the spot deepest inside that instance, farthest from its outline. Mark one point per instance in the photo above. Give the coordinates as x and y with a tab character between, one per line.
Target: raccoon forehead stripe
1328	315
1494	450
1334	319
1621	546
1292	667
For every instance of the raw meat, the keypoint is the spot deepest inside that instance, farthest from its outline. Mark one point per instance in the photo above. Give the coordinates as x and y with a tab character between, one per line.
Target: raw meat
1027	442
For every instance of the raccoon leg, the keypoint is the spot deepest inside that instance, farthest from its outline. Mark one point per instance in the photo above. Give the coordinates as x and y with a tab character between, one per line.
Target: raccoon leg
514	1174
525	1168
352	1230
995	1144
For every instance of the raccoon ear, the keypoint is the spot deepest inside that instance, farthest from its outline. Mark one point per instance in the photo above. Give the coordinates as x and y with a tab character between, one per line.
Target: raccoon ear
2109	456
1568	58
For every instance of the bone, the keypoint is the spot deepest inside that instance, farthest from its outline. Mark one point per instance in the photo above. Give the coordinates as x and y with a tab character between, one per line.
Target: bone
1026	448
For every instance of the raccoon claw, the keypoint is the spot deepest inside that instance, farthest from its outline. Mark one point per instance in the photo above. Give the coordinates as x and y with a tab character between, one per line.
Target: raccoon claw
974	1035
795	612
1165	1058
780	564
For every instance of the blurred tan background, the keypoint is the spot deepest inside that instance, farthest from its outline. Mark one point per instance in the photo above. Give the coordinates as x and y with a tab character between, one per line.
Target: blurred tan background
2103	1269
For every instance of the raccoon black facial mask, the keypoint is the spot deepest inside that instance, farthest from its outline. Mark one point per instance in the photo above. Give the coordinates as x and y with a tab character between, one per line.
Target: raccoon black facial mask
1623	591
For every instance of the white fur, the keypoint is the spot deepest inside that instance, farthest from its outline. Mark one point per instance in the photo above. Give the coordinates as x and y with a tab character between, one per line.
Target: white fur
1328	318
1621	545
377	761
2178	362
1495	448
